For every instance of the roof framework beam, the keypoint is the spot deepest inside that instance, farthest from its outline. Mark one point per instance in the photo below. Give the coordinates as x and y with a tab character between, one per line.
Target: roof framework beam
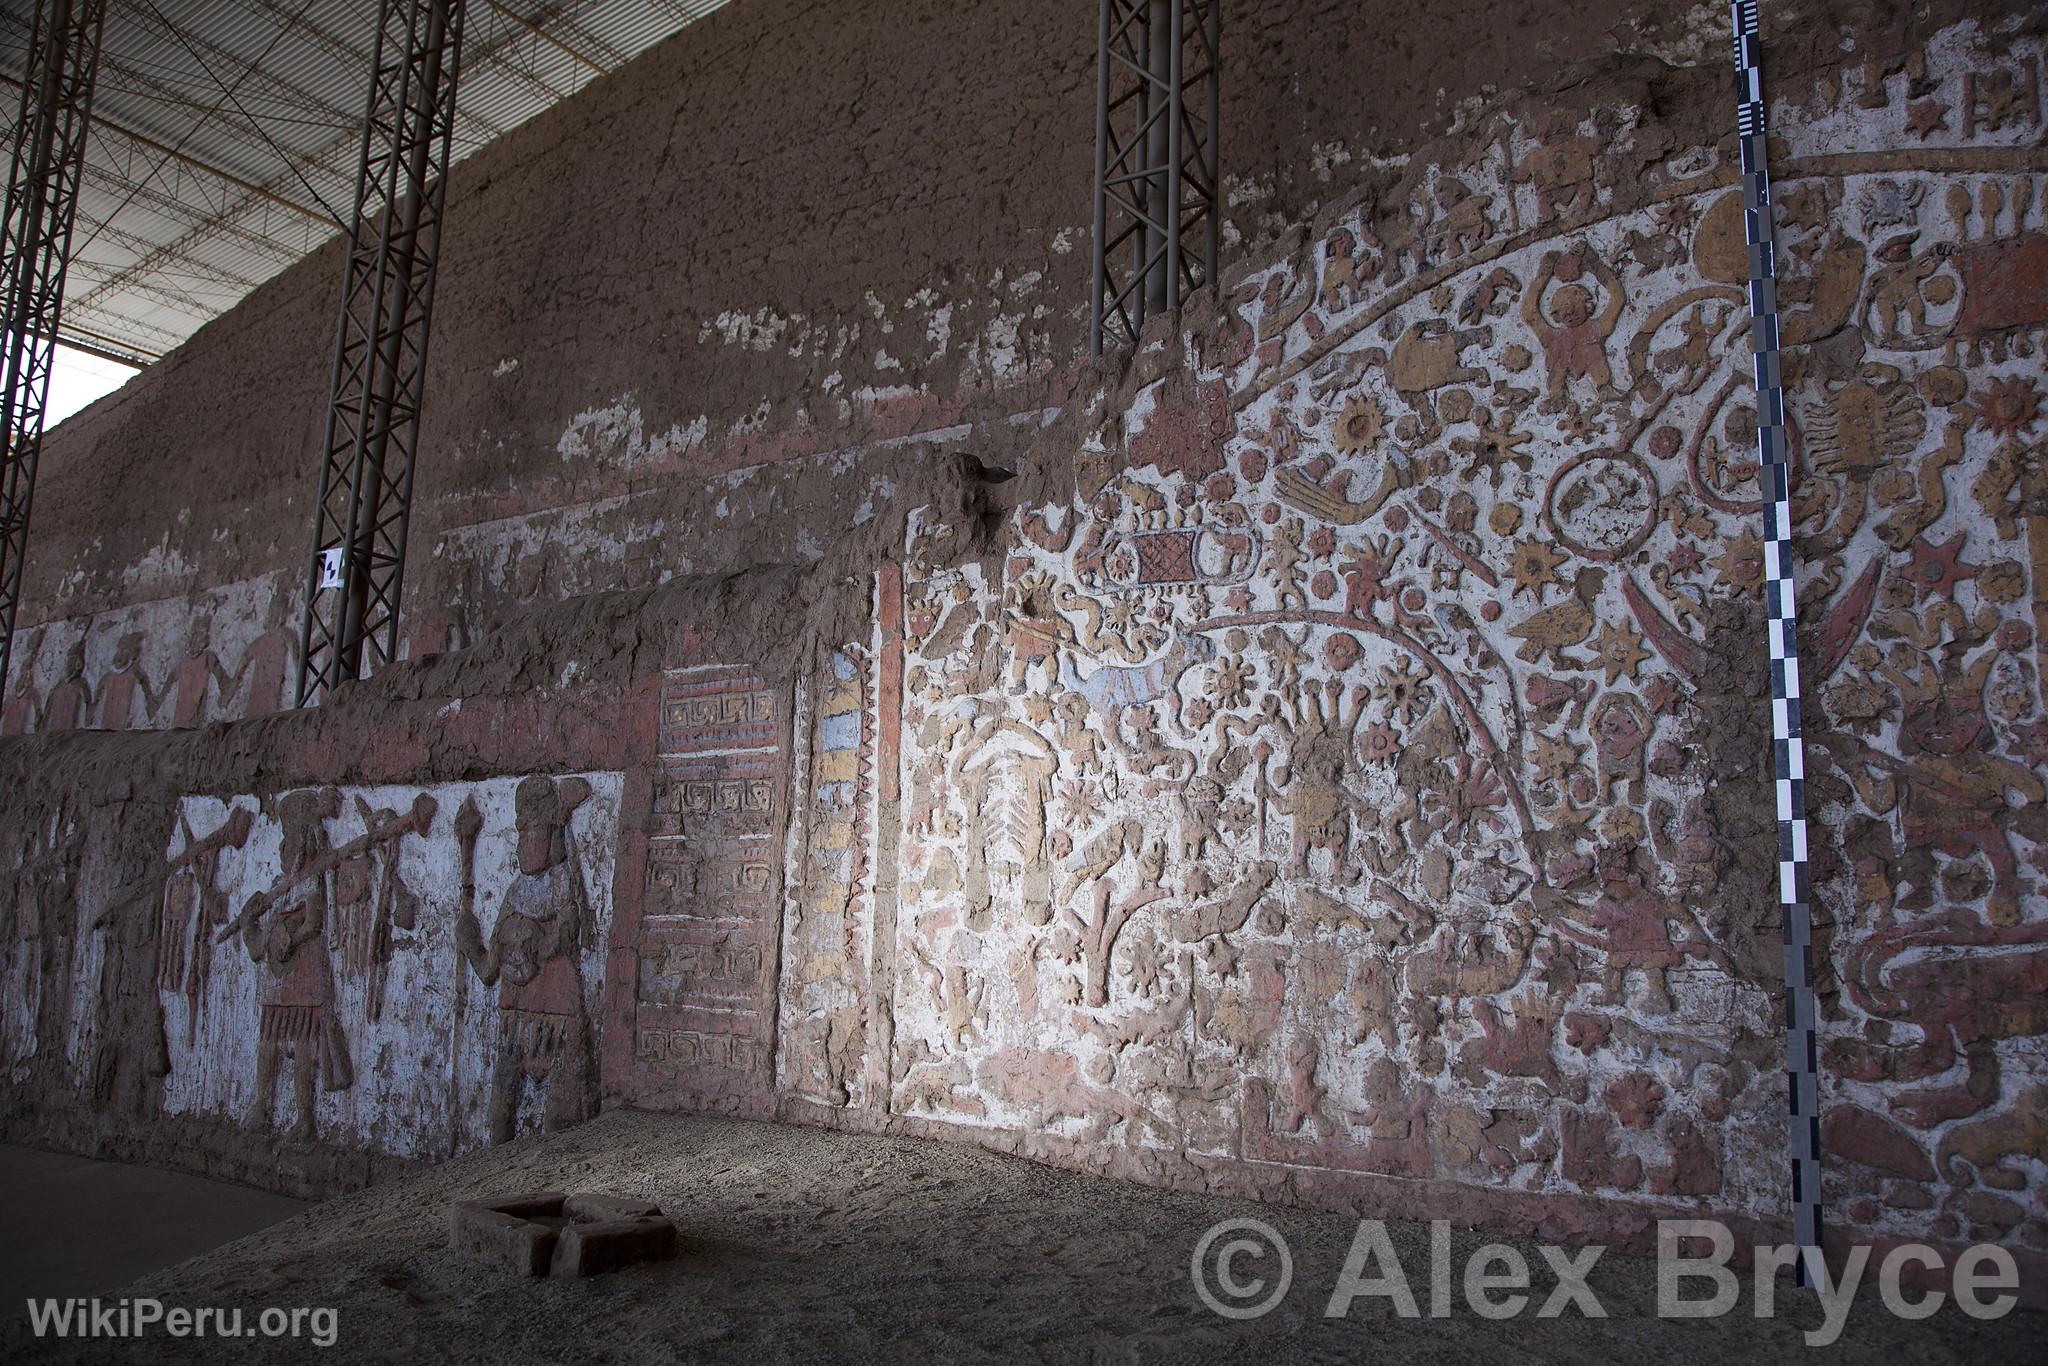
530	26
245	70
215	222
104	125
181	249
348	54
206	155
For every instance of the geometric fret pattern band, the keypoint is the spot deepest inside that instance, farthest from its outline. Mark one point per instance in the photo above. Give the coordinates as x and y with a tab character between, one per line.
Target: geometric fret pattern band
1802	1063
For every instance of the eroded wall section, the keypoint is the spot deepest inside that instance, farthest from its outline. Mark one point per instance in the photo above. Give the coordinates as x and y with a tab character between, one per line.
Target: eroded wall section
1335	769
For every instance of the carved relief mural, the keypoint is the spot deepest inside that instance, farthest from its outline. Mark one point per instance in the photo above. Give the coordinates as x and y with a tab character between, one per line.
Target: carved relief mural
825	949
39	933
223	654
1359	772
1343	786
413	971
704	945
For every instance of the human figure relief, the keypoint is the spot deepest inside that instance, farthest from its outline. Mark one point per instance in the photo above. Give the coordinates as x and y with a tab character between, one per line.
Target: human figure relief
1033	630
1953	787
264	665
1320	730
1239	543
119	688
1896	308
194	908
285	934
38	898
197	677
1635	927
373	904
544	925
1621	733
20	714
1455	224
69	704
1573	329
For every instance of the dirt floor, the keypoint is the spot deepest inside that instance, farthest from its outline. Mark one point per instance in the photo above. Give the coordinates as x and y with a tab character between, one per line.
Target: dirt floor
804	1245
72	1226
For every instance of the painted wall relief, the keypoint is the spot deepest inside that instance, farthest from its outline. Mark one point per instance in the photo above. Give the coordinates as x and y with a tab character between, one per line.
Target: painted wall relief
410	971
547	924
1364	790
223	654
1363	772
825	932
39	934
704	944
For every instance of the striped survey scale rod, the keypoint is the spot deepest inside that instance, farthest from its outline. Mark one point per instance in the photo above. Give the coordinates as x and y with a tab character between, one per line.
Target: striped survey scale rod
1802	1064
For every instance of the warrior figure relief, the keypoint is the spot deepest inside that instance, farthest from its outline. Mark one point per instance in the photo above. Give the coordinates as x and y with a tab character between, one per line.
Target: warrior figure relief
286	936
544	924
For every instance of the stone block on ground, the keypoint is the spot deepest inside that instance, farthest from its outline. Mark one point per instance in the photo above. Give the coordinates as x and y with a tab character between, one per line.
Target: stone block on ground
593	1249
549	1233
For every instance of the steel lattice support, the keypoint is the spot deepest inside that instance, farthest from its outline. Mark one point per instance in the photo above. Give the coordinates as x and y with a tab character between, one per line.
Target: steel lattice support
1155	160
42	204
380	355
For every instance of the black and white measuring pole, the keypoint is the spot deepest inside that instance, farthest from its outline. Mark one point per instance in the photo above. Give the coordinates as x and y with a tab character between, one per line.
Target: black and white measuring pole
1802	1062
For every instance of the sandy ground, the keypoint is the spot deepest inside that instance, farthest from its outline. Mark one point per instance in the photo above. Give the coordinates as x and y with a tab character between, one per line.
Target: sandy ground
803	1245
73	1226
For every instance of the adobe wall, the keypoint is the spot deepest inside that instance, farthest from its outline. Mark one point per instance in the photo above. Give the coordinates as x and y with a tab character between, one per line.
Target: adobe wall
680	300
1334	769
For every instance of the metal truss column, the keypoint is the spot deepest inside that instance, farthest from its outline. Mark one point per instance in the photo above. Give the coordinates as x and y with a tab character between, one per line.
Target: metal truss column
42	205
1156	189
380	356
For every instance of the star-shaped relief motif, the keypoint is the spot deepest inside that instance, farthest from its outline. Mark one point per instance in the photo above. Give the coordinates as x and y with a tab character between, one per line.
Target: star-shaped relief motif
1621	650
1925	118
1937	568
1534	566
1741	562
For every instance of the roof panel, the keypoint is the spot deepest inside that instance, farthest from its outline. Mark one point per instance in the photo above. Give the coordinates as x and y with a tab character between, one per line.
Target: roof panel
221	127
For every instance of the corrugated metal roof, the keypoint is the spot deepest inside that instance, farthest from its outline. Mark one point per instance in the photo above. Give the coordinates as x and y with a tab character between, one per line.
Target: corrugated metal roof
225	135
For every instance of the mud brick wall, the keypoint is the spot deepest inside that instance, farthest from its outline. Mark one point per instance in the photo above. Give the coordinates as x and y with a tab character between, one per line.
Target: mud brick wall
681	319
1322	755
